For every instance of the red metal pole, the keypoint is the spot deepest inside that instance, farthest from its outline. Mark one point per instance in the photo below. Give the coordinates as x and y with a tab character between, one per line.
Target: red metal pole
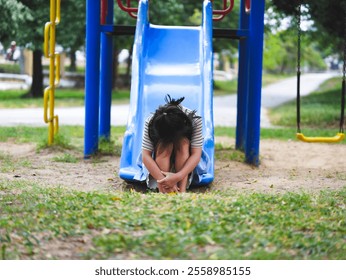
103	11
247	6
128	8
226	10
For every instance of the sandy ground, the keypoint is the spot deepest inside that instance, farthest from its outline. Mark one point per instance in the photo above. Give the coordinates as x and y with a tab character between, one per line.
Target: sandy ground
285	166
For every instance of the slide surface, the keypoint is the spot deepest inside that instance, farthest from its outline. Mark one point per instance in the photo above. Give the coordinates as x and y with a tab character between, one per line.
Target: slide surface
171	60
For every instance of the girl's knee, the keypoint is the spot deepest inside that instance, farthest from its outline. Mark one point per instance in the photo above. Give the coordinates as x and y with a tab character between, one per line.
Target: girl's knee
183	146
164	151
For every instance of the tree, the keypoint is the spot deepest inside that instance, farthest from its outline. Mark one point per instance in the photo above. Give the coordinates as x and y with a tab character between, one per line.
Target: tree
71	29
328	17
30	35
280	52
274	54
13	14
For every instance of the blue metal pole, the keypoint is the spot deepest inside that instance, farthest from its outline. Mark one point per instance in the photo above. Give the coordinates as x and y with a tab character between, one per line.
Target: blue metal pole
255	82
243	81
92	73
106	74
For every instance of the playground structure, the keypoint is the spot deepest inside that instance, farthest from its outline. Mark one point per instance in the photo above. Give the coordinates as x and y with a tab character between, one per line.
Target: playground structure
189	74
192	71
191	77
99	39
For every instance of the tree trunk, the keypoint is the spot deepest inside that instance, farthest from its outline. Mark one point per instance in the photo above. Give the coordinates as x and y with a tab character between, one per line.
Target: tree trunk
36	90
73	66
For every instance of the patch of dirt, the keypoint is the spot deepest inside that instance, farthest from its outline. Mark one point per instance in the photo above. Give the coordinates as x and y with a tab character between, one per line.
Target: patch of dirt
285	166
42	168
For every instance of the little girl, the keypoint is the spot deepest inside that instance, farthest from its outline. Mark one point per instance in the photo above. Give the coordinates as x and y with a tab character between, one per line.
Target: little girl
172	146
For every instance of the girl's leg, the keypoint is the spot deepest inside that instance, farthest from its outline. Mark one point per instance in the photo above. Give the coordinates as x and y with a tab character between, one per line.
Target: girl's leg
163	160
163	157
182	153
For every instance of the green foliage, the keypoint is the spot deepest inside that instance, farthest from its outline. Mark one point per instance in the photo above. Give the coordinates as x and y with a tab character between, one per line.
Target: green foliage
71	30
273	53
30	33
225	87
13	15
328	31
23	21
280	53
212	225
10	68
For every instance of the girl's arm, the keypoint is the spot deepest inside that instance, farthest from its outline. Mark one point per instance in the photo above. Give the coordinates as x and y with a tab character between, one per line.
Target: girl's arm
173	178
155	171
151	165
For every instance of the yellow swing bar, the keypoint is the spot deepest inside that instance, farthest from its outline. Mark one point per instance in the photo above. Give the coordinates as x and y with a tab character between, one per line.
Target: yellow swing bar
337	138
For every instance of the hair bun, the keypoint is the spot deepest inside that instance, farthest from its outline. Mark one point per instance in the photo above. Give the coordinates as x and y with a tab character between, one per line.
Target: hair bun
171	101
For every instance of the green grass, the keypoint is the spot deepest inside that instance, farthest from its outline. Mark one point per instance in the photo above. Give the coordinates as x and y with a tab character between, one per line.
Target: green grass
63	98
9	164
68	138
281	133
225	87
320	109
130	225
66	157
230	87
72	137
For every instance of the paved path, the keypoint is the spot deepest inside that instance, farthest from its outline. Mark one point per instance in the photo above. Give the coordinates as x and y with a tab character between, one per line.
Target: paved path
225	108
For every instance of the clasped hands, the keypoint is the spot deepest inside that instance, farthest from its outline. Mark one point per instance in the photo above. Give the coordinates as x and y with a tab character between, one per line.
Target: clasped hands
169	183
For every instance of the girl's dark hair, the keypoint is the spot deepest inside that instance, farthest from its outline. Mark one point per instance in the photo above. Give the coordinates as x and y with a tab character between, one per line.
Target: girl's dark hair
170	123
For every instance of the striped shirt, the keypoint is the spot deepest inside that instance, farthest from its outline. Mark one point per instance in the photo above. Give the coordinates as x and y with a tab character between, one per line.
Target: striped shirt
196	139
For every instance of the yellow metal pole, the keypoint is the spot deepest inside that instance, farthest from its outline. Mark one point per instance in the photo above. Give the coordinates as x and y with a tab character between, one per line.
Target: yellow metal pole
51	71
54	70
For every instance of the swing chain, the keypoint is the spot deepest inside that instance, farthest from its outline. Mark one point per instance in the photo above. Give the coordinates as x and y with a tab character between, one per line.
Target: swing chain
343	89
298	19
344	50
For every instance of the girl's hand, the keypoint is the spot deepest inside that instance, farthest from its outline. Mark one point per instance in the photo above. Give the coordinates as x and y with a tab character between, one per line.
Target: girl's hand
170	180
167	189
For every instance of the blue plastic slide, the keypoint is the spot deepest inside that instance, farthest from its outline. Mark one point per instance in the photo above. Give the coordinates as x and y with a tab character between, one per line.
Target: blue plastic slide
175	60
